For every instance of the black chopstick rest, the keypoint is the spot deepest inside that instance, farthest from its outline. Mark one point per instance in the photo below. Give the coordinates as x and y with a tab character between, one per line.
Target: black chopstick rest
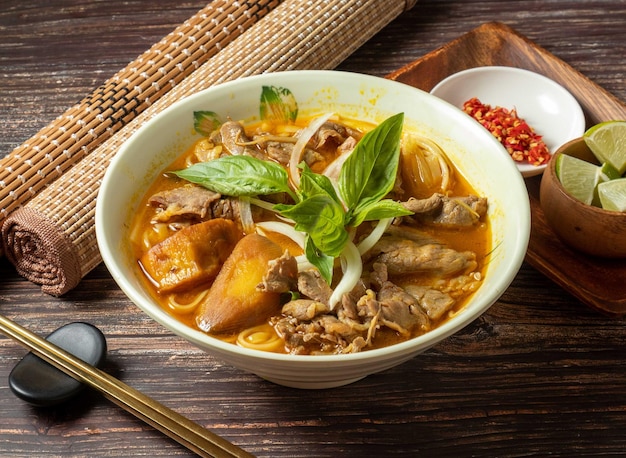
40	383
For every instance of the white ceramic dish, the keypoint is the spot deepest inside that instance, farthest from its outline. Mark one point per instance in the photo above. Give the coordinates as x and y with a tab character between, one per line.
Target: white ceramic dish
477	153
547	106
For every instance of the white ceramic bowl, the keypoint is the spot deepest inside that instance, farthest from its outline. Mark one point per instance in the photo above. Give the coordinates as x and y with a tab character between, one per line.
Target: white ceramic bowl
547	106
472	148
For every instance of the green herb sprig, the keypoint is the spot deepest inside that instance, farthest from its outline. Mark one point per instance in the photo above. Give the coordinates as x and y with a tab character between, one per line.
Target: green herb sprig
321	212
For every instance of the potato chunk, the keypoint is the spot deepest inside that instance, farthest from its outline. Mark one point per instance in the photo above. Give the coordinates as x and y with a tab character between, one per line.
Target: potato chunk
192	256
234	302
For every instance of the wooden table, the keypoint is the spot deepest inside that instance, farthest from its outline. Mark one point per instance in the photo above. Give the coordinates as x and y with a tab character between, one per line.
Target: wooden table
540	373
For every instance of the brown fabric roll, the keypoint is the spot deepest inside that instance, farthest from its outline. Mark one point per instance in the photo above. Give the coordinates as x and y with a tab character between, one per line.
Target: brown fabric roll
43	158
295	35
42	252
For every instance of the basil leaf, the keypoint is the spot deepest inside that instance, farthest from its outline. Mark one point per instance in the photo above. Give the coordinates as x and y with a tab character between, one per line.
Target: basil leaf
205	122
278	103
313	183
322	218
238	176
370	171
381	209
366	177
316	257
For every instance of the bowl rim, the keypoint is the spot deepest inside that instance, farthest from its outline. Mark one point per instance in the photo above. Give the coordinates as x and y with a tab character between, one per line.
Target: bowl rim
203	340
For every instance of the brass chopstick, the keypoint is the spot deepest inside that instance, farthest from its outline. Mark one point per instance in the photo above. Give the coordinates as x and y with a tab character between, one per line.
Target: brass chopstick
184	431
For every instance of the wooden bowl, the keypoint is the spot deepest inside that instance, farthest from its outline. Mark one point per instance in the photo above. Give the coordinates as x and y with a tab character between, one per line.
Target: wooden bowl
585	228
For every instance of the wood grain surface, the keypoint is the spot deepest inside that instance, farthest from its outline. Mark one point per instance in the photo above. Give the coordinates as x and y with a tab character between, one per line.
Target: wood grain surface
540	374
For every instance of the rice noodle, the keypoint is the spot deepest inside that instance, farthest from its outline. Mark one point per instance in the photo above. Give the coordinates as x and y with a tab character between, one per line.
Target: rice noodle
305	135
262	337
157	233
352	268
185	308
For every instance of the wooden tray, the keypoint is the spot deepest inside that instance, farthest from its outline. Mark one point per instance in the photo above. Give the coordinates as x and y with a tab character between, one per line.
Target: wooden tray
599	283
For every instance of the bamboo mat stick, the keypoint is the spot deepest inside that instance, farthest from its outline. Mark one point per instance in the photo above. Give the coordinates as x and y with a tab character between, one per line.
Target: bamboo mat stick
66	140
52	241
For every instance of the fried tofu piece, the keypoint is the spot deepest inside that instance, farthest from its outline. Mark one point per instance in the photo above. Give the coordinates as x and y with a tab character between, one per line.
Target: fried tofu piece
192	256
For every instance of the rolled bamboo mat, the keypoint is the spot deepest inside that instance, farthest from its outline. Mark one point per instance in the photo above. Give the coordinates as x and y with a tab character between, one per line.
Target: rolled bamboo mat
51	240
70	137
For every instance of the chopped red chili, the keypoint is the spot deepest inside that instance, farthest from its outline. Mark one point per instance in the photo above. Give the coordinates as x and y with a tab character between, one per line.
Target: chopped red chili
519	139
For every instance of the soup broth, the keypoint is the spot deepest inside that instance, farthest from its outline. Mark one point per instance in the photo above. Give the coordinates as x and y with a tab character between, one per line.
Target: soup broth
214	261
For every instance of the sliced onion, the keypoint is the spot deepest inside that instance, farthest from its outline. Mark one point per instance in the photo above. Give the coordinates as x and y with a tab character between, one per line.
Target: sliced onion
442	160
303	138
445	173
352	268
304	263
245	214
333	169
284	229
374	236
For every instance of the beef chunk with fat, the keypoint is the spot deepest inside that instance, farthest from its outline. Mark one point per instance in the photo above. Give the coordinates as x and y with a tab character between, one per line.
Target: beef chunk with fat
332	134
185	203
281	152
234	139
304	309
403	256
400	310
434	302
281	275
312	285
323	334
448	211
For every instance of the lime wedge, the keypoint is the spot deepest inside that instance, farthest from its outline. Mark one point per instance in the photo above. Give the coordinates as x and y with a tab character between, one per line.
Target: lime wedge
608	172
578	177
607	141
612	194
